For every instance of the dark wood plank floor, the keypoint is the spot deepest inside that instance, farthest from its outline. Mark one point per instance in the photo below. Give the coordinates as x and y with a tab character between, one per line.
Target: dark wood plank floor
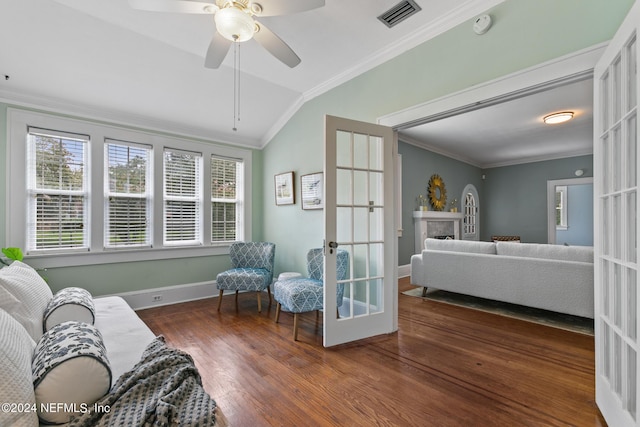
446	366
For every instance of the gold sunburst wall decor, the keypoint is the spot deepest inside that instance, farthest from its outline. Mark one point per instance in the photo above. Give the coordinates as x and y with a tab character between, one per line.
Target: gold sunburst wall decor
437	192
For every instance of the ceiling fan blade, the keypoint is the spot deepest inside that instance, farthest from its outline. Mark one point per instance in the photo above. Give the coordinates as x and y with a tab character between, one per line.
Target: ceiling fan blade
217	51
285	7
274	44
176	6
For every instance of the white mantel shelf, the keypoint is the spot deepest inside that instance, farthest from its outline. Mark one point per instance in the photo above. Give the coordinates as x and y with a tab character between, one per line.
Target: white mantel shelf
435	215
422	219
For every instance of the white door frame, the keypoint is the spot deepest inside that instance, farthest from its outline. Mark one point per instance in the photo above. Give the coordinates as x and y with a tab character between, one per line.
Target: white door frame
551	202
557	72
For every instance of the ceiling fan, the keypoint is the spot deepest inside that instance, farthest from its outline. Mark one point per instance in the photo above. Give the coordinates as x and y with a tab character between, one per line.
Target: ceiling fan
236	21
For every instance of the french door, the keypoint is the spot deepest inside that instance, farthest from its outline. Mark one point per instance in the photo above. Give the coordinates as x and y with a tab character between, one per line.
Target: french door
359	219
616	226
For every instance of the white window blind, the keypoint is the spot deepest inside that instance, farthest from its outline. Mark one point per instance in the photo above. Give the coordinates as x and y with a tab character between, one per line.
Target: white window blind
182	197
225	199
57	190
127	195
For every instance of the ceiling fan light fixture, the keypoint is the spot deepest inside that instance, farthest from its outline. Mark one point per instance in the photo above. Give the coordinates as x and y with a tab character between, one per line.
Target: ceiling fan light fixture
560	117
234	24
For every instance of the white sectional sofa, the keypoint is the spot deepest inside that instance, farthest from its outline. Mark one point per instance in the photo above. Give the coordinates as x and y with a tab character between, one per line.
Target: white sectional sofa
549	277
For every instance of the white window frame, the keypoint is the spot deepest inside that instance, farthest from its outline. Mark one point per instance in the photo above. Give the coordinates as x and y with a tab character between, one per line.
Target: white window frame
112	193
33	189
237	201
562	207
180	198
19	120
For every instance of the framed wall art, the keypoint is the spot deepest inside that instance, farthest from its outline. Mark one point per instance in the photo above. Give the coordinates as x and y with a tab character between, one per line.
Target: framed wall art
284	189
312	190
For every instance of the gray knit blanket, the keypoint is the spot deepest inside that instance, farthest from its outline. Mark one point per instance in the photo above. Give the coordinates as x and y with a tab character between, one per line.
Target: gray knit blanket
163	389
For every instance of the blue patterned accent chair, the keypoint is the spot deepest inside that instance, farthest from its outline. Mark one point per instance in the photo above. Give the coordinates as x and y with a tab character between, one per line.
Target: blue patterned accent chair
252	270
299	295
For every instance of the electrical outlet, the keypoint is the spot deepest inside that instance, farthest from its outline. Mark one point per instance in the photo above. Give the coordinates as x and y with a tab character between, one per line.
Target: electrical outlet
156	298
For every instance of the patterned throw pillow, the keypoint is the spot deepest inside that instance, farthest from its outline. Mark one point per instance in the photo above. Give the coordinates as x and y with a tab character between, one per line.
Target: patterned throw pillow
16	383
70	371
69	304
31	292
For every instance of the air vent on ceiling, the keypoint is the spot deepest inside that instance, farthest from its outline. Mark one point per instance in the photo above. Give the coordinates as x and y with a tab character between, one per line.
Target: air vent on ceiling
399	13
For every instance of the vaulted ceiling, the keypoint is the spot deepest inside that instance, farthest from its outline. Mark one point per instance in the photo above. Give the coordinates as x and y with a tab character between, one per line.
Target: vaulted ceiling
105	60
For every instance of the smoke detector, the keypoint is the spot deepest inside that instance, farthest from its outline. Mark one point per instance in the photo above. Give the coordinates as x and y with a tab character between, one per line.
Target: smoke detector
482	24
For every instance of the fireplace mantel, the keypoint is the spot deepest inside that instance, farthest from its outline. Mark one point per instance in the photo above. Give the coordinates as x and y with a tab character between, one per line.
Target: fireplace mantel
435	224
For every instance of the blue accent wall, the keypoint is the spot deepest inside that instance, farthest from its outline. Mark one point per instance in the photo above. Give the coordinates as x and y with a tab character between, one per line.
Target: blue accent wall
512	199
515	197
579	217
417	167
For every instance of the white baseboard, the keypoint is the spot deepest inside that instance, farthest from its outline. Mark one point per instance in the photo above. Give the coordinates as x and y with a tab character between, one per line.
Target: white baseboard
168	295
404	270
157	297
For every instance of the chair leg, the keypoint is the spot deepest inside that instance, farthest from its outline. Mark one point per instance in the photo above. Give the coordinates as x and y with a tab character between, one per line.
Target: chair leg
259	302
277	312
220	298
295	326
269	292
424	291
236	299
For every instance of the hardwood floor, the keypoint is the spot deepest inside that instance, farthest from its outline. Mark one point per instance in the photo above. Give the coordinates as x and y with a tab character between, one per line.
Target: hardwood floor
446	366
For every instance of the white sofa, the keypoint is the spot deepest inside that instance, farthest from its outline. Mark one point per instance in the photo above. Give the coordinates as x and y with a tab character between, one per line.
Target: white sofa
550	277
68	357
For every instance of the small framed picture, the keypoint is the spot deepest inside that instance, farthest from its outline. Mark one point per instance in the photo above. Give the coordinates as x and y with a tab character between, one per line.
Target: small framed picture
312	190
284	189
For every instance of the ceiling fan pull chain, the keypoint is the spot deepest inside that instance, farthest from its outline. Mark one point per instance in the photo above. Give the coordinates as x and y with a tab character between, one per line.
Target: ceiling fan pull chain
236	84
239	47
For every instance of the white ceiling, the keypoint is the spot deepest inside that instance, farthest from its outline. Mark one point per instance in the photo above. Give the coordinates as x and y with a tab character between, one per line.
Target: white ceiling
513	131
105	60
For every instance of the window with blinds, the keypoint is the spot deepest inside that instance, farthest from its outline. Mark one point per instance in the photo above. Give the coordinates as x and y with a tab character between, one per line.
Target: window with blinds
225	200
127	195
56	190
182	197
120	194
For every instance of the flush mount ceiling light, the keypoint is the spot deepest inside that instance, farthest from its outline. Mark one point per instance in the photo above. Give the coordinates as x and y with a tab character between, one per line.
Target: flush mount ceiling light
556	118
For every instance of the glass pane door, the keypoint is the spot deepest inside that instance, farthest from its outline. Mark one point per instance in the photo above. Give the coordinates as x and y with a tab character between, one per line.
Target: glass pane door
359	220
616	229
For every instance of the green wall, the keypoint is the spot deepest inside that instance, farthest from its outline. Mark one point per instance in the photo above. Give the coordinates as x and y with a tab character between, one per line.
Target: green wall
3	174
525	33
137	275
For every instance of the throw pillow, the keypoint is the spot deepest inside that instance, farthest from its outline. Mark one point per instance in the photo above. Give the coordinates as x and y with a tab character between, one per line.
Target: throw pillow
16	382
70	371
69	304
32	293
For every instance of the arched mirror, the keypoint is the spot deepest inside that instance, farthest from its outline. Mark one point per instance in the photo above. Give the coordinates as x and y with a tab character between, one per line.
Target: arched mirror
471	211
